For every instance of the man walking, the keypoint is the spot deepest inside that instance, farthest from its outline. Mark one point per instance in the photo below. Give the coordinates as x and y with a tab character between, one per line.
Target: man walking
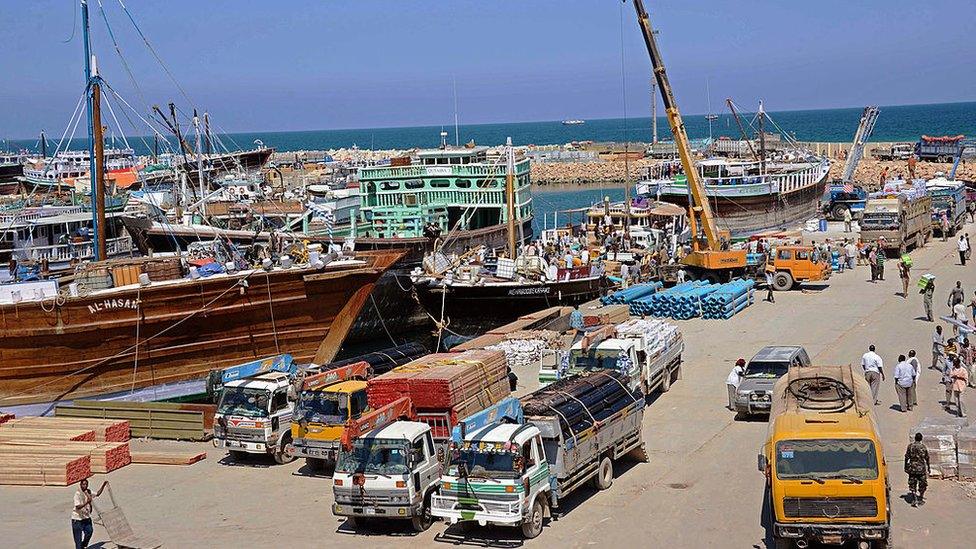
927	292
873	262
769	284
880	259
917	467
960	379
955	296
963	246
913	360
873	371
904	271
904	375
851	254
938	342
847	220
735	377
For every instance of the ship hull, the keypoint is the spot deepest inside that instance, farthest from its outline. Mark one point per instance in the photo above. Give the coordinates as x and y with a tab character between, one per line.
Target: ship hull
136	337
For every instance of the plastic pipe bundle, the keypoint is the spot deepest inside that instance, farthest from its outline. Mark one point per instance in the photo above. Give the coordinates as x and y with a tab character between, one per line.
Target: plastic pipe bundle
628	295
679	302
729	299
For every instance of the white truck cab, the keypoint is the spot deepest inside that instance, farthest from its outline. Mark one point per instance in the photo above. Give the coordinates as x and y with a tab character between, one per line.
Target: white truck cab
390	472
254	416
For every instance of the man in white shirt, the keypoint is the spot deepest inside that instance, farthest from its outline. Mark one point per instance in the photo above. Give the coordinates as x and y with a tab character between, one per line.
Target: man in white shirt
873	371
81	522
913	360
938	342
851	250
735	377
963	246
904	383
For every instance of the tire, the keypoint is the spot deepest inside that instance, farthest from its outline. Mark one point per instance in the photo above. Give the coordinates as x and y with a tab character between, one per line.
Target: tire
837	212
237	455
352	522
604	474
711	277
421	522
280	456
782	281
532	525
315	464
783	543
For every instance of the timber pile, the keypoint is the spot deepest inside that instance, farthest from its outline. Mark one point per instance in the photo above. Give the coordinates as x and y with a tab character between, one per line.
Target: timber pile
106	430
44	470
52	435
105	456
461	383
167	457
580	400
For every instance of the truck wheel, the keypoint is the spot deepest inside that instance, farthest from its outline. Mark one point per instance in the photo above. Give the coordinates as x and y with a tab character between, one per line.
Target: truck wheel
532	524
783	543
237	455
315	464
421	522
282	457
837	212
782	281
711	277
604	474
352	522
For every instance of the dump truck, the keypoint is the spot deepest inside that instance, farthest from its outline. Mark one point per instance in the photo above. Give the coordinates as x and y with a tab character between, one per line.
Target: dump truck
647	351
390	459
254	412
515	469
941	148
823	462
903	221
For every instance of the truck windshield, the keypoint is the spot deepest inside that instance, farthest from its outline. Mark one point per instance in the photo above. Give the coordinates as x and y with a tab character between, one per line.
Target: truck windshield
593	358
767	369
826	458
243	401
322	407
484	464
880	220
374	455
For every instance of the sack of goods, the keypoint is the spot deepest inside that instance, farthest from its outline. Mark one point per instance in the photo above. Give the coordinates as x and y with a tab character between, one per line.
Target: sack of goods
525	347
939	436
457	383
581	400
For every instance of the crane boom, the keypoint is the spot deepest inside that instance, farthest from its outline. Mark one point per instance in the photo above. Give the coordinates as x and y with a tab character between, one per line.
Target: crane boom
742	130
699	211
864	130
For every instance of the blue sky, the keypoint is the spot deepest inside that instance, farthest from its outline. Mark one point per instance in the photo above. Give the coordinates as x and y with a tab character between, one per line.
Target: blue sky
293	65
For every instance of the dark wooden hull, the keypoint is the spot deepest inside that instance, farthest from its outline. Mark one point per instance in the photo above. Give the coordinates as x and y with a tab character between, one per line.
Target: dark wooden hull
137	337
218	164
10	174
490	305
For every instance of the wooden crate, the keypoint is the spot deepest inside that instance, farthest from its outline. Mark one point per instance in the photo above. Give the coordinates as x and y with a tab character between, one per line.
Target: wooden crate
123	275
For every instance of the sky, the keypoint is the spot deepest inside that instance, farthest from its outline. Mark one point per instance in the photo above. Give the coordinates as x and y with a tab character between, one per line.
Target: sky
256	65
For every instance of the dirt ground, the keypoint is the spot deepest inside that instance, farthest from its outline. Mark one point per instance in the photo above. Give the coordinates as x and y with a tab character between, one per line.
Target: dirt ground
700	488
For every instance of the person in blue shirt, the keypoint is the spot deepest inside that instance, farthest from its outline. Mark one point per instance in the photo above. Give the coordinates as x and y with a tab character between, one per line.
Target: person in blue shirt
576	319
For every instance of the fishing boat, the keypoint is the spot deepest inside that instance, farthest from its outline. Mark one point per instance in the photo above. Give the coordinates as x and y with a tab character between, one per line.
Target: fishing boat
475	293
130	324
573	122
11	170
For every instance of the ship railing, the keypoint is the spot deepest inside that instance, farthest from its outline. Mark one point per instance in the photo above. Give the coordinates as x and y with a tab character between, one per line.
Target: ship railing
83	250
573	273
442	170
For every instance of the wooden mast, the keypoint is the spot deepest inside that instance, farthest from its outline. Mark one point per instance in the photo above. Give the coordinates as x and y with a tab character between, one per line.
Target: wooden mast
510	197
98	177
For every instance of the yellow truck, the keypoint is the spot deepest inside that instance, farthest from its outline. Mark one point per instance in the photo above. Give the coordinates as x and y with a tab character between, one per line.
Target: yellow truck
326	403
826	476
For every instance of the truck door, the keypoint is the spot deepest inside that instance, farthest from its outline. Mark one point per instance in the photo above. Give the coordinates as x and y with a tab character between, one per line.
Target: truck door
357	404
280	410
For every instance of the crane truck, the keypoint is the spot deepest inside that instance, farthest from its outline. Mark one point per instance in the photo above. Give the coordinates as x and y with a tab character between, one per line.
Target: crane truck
844	194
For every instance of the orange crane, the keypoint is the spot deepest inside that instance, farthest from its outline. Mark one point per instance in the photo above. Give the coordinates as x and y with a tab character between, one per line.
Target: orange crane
710	257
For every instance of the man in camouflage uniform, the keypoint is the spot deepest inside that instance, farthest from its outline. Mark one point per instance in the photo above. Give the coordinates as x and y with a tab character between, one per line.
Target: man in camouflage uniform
917	466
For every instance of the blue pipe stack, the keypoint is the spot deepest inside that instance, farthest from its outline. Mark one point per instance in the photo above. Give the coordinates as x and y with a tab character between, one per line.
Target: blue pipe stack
728	299
627	295
679	302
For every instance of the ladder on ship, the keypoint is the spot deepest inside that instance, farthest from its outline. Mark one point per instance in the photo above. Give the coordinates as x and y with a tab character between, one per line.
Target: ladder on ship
861	136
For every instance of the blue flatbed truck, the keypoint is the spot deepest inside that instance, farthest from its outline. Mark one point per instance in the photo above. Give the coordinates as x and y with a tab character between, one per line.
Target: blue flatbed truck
836	200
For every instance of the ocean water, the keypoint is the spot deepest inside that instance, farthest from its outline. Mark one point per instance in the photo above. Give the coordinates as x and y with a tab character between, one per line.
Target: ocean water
558	198
896	123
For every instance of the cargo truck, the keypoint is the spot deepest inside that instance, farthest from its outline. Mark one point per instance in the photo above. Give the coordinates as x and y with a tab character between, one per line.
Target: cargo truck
949	200
939	149
254	412
823	463
647	351
903	221
516	469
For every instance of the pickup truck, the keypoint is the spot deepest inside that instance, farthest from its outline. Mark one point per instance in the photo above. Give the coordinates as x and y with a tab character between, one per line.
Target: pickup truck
754	394
896	151
515	470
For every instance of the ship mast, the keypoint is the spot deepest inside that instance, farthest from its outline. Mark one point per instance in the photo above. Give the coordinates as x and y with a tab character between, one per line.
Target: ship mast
95	145
762	139
510	195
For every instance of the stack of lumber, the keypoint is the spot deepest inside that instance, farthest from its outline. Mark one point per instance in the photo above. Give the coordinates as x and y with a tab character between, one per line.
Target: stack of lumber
104	456
44	470
608	314
167	457
44	434
106	430
580	400
459	383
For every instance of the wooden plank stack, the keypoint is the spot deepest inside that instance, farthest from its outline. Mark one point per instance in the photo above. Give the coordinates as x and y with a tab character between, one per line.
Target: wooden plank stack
106	430
52	435
105	456
458	383
167	457
44	470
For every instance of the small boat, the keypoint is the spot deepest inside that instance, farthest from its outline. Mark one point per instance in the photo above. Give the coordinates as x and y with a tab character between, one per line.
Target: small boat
573	122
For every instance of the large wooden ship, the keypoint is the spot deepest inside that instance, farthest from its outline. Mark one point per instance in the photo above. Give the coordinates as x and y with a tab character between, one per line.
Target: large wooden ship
136	335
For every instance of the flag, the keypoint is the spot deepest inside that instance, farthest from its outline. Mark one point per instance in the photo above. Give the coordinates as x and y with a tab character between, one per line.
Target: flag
848	187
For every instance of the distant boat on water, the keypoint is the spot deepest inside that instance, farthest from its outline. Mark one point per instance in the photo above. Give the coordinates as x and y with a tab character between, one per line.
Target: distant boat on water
573	122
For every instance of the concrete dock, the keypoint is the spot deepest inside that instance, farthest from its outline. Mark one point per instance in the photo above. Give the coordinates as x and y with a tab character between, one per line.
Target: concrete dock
701	487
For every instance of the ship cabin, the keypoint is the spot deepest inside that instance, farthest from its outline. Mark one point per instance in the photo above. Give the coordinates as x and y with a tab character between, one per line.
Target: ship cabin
452	188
